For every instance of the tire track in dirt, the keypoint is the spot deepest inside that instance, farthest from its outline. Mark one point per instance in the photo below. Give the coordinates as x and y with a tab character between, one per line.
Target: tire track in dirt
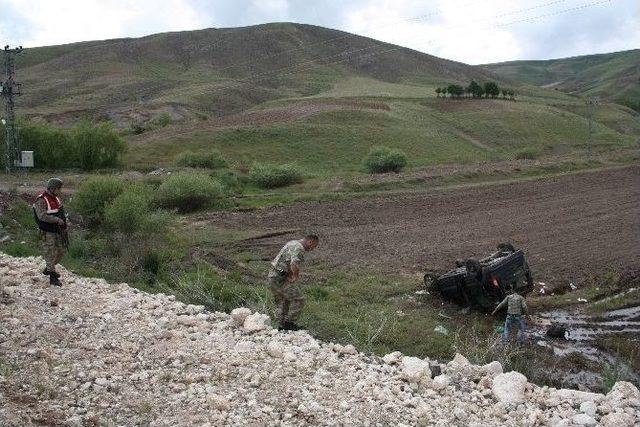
571	226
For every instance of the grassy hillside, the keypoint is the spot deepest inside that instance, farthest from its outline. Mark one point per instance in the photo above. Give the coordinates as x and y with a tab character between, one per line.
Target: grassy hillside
612	76
213	71
298	93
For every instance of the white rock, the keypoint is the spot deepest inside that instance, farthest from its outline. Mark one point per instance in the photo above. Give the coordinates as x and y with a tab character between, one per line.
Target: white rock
239	315
492	369
441	382
392	358
218	402
589	408
621	392
575	396
256	322
415	370
583	420
617	420
509	387
347	349
275	349
244	346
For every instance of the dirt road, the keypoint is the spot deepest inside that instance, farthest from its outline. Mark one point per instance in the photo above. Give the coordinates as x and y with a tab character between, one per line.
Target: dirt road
571	226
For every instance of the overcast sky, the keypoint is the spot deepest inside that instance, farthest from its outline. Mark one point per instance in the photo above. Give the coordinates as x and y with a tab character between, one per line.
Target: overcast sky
471	31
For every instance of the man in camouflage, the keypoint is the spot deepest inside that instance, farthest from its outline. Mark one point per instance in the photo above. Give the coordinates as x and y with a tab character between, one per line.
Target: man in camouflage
516	309
52	222
284	273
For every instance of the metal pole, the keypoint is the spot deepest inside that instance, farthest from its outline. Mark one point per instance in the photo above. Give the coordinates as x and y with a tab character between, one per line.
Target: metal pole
10	89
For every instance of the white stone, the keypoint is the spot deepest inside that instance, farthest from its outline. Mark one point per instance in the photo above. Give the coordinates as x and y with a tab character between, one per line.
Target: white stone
509	387
621	392
239	315
583	420
392	358
415	370
492	369
575	396
589	408
256	322
275	349
244	346
617	420
441	382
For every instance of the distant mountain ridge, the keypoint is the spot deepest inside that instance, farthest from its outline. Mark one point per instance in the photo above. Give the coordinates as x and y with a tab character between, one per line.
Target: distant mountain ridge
610	76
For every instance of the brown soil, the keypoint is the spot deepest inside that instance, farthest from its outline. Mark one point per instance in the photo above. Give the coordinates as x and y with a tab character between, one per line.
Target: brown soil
571	227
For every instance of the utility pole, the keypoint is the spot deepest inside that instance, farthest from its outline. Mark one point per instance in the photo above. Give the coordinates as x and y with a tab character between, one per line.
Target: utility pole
8	90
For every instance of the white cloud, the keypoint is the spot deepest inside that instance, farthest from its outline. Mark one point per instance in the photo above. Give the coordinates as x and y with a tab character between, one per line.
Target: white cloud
58	22
464	30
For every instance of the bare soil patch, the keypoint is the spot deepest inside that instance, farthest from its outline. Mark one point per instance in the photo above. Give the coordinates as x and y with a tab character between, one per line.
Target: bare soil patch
571	227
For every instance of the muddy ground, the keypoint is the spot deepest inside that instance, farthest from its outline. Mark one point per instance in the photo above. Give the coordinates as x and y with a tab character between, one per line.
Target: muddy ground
571	227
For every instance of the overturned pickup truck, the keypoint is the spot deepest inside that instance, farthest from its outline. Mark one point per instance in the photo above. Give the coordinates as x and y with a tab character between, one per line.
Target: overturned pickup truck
484	283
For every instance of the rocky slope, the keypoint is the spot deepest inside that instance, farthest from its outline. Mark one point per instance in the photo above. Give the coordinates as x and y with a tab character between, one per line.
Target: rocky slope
94	353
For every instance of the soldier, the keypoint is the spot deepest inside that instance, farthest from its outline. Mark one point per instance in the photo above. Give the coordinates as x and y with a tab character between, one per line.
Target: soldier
282	278
516	308
52	222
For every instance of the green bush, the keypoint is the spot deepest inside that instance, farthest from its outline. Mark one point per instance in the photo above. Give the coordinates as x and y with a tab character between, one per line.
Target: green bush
527	154
273	176
85	146
128	212
94	195
384	159
187	192
97	146
210	160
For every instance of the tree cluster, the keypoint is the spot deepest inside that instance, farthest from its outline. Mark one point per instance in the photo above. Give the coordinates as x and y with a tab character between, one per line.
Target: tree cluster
476	90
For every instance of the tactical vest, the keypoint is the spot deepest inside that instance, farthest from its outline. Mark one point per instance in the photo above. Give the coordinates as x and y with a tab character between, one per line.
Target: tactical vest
54	208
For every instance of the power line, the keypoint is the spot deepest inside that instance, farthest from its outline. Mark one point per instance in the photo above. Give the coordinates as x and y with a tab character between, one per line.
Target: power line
8	90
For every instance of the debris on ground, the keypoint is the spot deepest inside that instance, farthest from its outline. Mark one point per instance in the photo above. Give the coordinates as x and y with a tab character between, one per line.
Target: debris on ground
441	330
108	354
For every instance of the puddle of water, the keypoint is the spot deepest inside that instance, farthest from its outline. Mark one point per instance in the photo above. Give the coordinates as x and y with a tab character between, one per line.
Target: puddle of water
583	330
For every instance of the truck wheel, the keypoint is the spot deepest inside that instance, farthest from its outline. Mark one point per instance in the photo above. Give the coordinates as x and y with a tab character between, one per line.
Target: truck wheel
430	281
474	269
506	247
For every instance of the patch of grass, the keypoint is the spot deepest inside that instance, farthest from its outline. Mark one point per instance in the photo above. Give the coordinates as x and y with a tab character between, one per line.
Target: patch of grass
527	154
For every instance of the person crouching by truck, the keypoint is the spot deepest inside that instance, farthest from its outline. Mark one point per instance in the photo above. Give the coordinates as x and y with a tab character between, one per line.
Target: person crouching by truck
516	309
52	223
284	273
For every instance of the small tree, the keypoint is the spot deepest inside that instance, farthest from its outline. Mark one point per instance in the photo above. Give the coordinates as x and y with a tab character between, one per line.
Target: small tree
491	89
384	159
438	91
504	93
455	90
475	89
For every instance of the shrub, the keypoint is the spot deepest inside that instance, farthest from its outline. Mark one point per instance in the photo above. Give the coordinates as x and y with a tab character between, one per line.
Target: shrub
384	159
211	160
96	146
162	120
188	191
95	194
128	212
527	154
272	176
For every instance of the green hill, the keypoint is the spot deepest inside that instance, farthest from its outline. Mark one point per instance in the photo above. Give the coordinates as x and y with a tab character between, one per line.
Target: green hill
611	76
215	71
290	92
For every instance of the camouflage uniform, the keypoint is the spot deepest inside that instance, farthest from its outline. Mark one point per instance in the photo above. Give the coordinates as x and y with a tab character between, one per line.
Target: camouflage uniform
53	247
516	307
288	296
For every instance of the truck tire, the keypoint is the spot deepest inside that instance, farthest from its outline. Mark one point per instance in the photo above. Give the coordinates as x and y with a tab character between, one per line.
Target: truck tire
506	247
474	269
430	280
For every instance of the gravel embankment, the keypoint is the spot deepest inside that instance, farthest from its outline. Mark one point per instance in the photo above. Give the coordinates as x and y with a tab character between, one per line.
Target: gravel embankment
93	353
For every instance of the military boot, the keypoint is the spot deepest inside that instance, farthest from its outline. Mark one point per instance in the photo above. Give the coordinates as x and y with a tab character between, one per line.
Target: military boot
53	279
46	272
